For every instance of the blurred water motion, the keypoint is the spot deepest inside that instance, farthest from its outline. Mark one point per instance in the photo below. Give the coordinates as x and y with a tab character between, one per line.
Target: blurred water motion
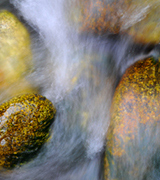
78	70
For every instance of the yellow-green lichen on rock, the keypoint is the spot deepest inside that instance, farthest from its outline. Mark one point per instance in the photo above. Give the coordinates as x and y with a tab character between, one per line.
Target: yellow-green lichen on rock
133	135
15	56
24	127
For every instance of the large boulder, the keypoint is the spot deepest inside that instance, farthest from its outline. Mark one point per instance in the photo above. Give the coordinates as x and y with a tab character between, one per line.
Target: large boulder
132	147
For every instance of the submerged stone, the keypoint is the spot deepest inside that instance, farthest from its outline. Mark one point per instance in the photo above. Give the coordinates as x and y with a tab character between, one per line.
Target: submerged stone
15	56
101	16
24	127
133	137
140	19
147	30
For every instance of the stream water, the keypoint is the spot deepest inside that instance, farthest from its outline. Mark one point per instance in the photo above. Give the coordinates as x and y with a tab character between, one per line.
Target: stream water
78	73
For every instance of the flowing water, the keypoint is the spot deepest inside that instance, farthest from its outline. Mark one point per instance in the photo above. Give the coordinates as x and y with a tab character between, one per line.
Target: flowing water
78	73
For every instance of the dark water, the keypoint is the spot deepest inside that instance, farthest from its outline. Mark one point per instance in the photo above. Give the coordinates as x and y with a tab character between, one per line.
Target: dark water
78	73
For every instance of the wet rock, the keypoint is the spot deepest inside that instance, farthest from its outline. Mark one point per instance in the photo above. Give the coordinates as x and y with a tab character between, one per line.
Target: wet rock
147	30
140	19
100	16
15	56
133	135
24	127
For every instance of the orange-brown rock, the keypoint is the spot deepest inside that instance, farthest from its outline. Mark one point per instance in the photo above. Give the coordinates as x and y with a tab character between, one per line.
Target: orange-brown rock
140	19
133	135
100	16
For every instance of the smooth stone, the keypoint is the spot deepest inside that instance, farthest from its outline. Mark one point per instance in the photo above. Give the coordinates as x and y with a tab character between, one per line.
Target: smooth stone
133	144
15	57
140	19
148	29
24	128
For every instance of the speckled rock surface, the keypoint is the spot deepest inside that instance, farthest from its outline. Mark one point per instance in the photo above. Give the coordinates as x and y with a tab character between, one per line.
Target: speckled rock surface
133	135
140	19
15	56
101	16
24	127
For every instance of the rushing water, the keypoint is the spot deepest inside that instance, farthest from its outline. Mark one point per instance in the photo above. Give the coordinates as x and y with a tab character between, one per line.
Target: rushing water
78	73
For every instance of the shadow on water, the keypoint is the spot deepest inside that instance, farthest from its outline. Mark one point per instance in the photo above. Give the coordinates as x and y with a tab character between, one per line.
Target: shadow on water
78	73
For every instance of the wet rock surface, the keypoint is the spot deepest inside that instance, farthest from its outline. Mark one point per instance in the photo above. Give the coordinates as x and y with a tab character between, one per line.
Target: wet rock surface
15	56
148	29
24	127
140	19
134	128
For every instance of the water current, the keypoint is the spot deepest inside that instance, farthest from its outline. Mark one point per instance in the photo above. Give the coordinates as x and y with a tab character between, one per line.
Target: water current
78	72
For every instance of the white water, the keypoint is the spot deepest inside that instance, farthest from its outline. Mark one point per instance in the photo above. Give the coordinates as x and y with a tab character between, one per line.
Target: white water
78	74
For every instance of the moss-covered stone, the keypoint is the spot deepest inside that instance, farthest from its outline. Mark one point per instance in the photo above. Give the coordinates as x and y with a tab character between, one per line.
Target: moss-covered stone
15	56
24	127
133	135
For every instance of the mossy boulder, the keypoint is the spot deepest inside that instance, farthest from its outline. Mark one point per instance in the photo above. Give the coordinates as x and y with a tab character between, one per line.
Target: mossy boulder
15	56
24	127
133	135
